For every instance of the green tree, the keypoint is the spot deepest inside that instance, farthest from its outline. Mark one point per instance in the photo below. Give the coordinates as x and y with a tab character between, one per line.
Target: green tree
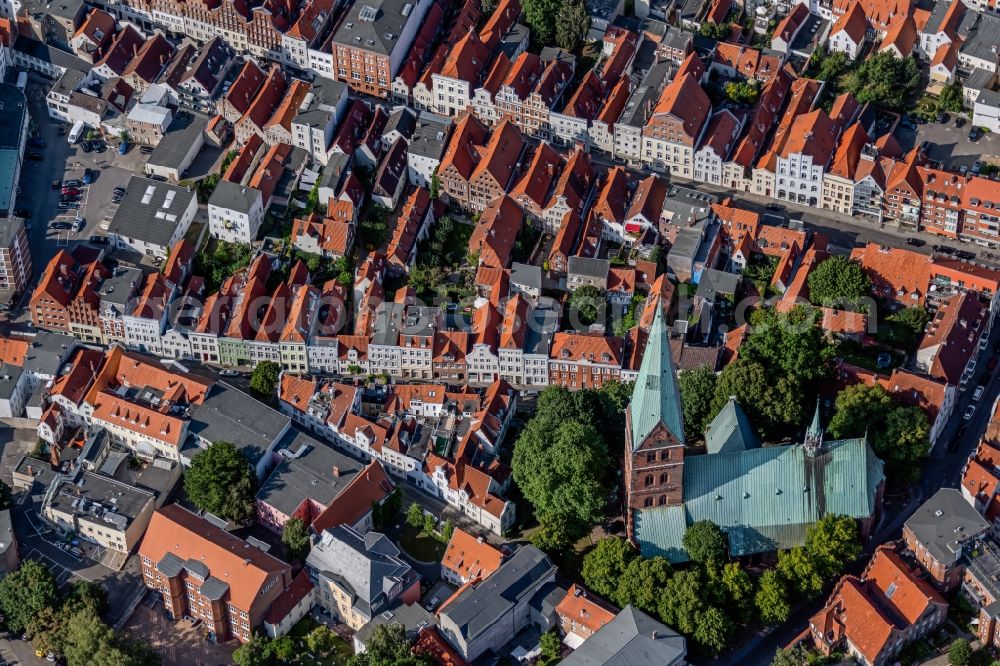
388	646
572	25
604	566
435	189
540	15
833	543
426	280
295	537
551	646
589	303
742	92
796	656
772	598
430	522
738	588
711	631
772	406
25	592
838	281
642	584
682	601
284	649
415	515
264	379
899	434
559	468
800	571
697	388
321	640
788	344
255	652
373	226
912	321
715	31
960	653
885	80
89	642
553	535
447	530
951	98
87	595
832	66
220	481
705	542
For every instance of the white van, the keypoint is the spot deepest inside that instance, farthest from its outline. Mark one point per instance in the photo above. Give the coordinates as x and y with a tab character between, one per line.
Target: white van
74	134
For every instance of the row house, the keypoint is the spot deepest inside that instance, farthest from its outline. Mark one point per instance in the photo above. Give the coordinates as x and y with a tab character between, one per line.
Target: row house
305	33
719	142
585	360
493	237
466	65
66	298
849	32
804	93
611	205
532	189
676	127
571	192
526	334
412	226
242	91
602	128
482	360
419	56
477	167
148	63
981	204
262	107
627	133
571	125
941	207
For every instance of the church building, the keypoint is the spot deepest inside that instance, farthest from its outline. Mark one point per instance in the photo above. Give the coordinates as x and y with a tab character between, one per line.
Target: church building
763	497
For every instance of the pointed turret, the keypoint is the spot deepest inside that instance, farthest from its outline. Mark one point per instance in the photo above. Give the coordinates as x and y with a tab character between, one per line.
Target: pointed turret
814	435
656	398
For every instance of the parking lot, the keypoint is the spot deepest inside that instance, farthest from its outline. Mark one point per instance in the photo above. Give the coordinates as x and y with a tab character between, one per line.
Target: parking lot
950	145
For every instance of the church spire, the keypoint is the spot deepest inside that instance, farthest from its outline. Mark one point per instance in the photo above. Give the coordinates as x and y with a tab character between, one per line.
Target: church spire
656	398
814	435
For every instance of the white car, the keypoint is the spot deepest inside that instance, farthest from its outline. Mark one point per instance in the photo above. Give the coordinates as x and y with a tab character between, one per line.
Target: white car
978	393
969	411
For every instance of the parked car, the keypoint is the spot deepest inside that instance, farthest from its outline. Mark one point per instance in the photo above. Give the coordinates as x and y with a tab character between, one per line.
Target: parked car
229	373
969	411
88	176
72	182
99	240
943	249
123	147
943	117
145	150
86	147
974	133
965	254
59	226
977	167
79	223
119	190
68	205
61	131
978	393
773	206
916	242
963	170
70	190
100	147
959	121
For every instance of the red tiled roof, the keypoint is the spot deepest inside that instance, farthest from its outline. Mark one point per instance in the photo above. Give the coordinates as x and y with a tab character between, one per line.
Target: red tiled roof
371	485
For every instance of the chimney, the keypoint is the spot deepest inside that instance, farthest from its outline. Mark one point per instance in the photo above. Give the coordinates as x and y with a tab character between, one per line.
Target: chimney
336	472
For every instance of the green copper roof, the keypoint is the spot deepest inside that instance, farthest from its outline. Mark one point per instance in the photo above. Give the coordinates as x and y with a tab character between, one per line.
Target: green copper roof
655	397
730	430
765	498
816	428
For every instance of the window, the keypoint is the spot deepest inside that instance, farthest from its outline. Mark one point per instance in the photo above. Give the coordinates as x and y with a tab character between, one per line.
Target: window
649	480
648	502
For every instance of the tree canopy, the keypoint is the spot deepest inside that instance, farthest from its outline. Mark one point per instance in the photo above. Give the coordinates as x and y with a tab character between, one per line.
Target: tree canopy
705	542
604	566
772	598
572	24
884	79
742	92
25	592
588	301
899	434
264	379
388	646
295	537
697	388
838	281
220	481
642	583
540	15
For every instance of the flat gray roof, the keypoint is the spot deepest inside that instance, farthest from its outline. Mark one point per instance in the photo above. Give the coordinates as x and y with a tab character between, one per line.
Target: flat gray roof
944	523
150	211
229	415
183	131
429	136
374	25
233	196
100	499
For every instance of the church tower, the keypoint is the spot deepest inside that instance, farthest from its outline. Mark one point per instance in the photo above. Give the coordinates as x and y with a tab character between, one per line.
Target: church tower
654	431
